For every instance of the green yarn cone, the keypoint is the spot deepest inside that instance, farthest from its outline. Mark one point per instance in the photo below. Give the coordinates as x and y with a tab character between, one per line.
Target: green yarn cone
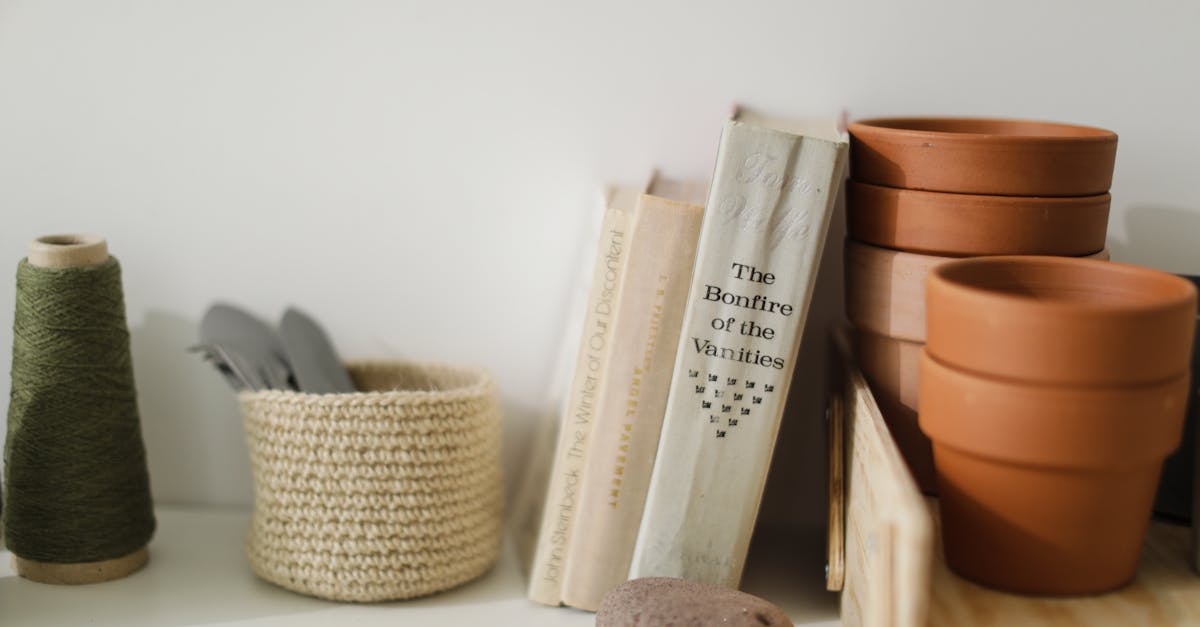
76	485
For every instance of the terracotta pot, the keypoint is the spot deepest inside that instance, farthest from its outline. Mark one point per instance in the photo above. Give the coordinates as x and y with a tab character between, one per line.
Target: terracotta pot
885	289
1061	320
1046	489
958	225
983	156
890	367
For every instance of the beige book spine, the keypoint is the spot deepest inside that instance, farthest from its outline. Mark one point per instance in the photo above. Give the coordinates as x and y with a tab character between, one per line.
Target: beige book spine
662	249
764	229
570	456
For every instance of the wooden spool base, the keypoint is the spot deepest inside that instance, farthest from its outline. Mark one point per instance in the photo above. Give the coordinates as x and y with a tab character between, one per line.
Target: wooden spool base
83	572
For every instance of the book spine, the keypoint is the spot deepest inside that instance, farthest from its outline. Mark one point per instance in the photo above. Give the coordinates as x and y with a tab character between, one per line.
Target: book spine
662	250
575	426
764	229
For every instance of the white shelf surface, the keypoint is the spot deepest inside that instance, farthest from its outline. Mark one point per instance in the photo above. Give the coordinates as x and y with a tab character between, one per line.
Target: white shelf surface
197	575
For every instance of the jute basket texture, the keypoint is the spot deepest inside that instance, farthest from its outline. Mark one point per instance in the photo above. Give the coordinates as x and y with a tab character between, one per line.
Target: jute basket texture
390	493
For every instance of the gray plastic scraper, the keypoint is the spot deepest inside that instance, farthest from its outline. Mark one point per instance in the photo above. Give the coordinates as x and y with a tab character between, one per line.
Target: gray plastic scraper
314	361
251	349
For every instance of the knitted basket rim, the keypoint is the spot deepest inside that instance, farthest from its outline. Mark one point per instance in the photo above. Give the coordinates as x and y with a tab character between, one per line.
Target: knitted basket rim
479	383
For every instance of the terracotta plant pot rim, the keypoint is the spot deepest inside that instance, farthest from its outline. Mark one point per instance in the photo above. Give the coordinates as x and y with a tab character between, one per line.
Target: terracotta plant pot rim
1004	157
1070	428
1040	200
1170	291
957	225
1060	320
912	127
1004	460
1076	386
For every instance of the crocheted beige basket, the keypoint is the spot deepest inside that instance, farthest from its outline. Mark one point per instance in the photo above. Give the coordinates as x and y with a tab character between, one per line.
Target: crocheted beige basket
390	493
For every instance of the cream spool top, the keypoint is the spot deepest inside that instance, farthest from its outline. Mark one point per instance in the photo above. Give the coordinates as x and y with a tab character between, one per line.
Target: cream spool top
68	251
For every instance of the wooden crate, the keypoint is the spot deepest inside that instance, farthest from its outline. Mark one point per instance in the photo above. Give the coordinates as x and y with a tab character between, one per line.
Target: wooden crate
894	572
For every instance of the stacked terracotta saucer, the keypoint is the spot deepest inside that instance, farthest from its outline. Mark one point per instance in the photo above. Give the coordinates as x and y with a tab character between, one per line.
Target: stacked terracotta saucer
927	190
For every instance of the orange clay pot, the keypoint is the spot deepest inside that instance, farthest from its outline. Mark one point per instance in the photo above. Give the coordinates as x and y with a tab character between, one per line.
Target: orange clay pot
983	156
958	225
885	289
1046	489
1060	320
890	366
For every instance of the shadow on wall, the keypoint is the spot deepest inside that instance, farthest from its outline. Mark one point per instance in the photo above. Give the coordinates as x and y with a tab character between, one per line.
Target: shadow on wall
190	418
1162	237
519	432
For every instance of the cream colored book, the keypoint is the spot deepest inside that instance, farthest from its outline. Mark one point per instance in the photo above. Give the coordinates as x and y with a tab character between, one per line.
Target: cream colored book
772	193
662	249
575	425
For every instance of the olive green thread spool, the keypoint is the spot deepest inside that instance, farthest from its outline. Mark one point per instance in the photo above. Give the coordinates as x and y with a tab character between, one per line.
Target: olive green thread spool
77	501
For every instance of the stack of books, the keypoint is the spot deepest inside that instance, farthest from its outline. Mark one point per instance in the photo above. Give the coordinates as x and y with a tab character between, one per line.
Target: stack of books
685	343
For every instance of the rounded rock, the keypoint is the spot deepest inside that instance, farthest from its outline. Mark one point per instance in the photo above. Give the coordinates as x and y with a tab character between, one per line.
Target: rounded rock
665	601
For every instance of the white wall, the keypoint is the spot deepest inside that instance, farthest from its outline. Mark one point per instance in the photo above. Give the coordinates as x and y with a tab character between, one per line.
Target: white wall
417	174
